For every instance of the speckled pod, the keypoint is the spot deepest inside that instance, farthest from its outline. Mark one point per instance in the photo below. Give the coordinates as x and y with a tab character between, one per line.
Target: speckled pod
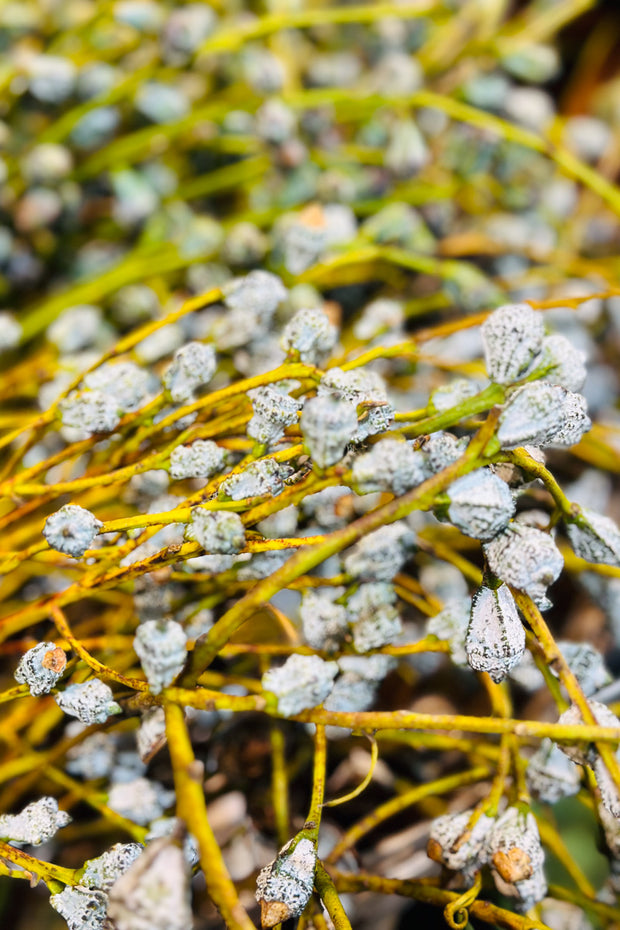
328	424
302	682
364	389
514	845
543	414
324	623
263	477
527	559
585	754
41	667
216	531
273	412
161	648
103	871
310	336
391	465
595	538
90	701
193	366
284	887
200	460
561	363
512	336
550	775
456	847
82	908
35	824
380	555
71	530
495	638
481	504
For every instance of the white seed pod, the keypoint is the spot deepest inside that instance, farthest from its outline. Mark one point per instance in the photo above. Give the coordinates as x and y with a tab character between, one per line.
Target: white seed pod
273	412
585	754
200	460
76	328
526	559
82	908
607	787
440	450
126	382
512	336
373	630
525	894
451	624
495	638
328	424
10	331
371	668
350	694
324	623
481	504
302	238
309	336
380	555
71	530
41	667
391	465
103	871
611	828
551	775
141	799
456	847
89	701
365	390
261	564
35	824
151	734
259	478
381	315
258	294
302	682
587	665
452	394
595	538
93	757
169	826
514	845
193	366
161	648
90	411
328	508
561	363
154	893
284	887
216	530
543	414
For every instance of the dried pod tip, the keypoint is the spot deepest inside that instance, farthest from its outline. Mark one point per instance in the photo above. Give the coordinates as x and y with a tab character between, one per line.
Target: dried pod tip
514	865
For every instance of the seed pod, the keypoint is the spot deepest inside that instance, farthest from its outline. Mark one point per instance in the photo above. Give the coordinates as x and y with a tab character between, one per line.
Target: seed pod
543	414
381	315
90	411
139	799
454	845
126	382
192	367
440	450
452	394
310	336
161	648
525	894
82	908
273	412
527	559
216	530
200	460
587	665
607	787
595	538
103	871
71	530
585	754
90	701
328	424
93	757
151	734
154	892
171	826
35	824
373	630
380	555
512	336
263	477
451	624
302	682
561	363
41	667
391	465
284	887
257	294
481	504
514	845
495	639
365	390
324	623
550	775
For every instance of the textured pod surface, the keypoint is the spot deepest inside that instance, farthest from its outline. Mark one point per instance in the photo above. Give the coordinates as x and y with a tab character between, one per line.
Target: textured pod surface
561	363
596	538
193	366
263	477
543	414
551	775
217	531
41	667
527	559
284	887
103	871
91	701
161	648
514	845
451	624
35	824
90	411
82	908
324	623
366	391
457	846
302	682
328	424
391	465
200	460
495	640
579	752
273	412
481	504
310	335
512	336
380	555
71	530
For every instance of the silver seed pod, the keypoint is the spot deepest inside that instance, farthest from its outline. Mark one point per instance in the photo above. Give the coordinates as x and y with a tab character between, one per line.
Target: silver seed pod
328	424
587	665
561	363
35	824
525	894
583	753
82	908
454	845
551	775
216	530
103	871
193	366
451	624
543	414
263	477
527	559
310	335
273	412
41	667
380	555
495	640
302	682
365	390
324	623
284	887
514	846
607	787
71	530
161	647
481	504
391	465
595	538
90	701
512	336
200	460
